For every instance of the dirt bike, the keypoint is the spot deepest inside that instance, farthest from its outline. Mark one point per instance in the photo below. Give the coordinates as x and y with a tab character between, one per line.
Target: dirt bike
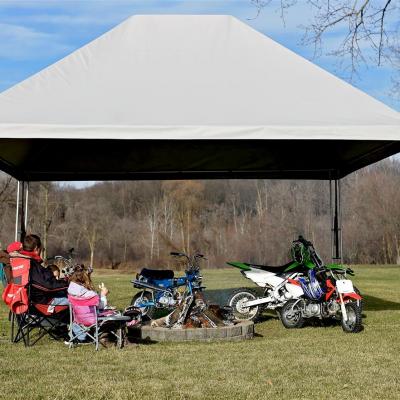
279	283
160	288
327	295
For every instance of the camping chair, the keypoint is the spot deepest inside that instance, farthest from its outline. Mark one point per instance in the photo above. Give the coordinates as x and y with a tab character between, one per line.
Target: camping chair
39	321
85	317
31	321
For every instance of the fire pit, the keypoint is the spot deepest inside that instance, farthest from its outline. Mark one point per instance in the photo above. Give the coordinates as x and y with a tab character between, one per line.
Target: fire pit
240	331
194	319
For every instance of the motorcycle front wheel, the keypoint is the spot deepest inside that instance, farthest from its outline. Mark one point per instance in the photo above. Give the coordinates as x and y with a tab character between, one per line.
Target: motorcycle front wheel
143	297
360	303
237	300
291	315
354	319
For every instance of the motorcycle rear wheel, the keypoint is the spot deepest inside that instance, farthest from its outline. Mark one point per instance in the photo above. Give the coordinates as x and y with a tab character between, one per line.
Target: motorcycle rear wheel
236	301
354	319
147	312
291	315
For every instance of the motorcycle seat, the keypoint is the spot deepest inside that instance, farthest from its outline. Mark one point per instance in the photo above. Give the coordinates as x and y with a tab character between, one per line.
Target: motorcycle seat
157	274
272	268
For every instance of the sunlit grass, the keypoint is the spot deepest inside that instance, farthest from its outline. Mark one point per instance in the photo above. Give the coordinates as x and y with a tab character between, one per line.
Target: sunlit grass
311	363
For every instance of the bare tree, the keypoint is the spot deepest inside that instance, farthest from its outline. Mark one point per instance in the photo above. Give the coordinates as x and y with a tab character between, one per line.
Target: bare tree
49	210
369	28
131	224
152	221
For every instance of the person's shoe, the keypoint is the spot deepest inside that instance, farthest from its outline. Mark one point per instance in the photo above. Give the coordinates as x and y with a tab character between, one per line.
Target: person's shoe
76	342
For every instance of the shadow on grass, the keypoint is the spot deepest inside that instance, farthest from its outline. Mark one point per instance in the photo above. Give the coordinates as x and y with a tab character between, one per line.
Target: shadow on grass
219	296
372	303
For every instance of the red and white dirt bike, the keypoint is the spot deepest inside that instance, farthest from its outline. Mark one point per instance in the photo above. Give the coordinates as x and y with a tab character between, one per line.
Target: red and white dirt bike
327	295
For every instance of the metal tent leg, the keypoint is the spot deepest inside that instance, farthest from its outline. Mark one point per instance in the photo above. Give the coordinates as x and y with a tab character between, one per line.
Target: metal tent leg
21	214
17	212
336	220
22	231
26	205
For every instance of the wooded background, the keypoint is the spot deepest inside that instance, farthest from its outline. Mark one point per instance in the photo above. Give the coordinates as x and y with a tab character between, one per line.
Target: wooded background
134	224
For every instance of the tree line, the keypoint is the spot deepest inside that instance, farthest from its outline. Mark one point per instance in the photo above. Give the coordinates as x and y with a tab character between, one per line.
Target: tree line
134	224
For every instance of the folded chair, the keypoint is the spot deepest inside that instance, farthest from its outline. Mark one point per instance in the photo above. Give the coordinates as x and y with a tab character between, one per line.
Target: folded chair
87	321
30	321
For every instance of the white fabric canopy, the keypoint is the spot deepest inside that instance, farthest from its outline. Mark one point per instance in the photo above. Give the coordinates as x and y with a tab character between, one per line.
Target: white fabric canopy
190	77
229	96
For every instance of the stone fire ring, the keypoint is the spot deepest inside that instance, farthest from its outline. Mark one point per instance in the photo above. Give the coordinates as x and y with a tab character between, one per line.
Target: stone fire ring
241	331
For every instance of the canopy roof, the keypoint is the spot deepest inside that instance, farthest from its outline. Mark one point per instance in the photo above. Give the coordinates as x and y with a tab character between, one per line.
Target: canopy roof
178	96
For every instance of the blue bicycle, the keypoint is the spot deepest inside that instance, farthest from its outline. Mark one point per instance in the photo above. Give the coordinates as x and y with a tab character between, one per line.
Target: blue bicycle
160	288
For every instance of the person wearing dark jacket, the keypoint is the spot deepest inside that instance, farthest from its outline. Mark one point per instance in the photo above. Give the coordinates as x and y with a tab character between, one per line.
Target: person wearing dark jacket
44	287
12	249
5	261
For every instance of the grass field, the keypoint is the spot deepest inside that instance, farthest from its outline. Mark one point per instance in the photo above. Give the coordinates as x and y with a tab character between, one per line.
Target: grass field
310	363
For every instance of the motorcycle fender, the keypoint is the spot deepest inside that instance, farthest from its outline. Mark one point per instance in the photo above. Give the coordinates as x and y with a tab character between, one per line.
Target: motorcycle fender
262	278
348	296
295	290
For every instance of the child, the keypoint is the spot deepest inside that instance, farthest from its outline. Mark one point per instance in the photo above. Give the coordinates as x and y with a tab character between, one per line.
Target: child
81	286
55	270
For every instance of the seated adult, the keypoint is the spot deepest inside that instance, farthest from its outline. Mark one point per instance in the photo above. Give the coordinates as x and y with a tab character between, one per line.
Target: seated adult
12	249
5	265
45	288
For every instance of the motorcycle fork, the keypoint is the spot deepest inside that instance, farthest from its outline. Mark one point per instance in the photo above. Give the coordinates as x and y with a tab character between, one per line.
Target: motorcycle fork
294	304
152	296
342	306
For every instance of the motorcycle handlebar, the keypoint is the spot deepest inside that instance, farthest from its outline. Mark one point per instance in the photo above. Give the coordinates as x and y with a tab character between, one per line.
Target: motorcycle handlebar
304	241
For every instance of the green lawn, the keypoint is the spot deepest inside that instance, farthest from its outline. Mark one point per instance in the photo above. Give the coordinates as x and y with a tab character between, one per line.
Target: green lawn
310	363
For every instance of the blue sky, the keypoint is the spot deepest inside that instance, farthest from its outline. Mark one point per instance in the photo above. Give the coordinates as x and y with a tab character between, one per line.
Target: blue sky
34	34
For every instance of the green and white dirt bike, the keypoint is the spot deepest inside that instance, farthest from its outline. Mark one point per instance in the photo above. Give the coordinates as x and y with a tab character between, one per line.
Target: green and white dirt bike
279	283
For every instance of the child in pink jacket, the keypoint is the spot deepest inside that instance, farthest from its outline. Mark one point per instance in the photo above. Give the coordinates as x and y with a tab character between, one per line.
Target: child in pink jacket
81	287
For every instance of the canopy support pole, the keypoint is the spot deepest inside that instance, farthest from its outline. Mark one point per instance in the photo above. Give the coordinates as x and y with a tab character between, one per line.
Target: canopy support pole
17	212
21	213
26	206
336	220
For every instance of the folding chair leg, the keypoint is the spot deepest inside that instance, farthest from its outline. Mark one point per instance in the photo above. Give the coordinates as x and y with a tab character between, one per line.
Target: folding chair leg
120	337
27	343
12	321
19	329
96	335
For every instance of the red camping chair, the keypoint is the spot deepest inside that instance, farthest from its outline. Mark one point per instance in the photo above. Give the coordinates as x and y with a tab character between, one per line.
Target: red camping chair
30	321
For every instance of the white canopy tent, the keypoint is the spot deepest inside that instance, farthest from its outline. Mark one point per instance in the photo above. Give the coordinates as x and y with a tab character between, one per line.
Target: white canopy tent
179	96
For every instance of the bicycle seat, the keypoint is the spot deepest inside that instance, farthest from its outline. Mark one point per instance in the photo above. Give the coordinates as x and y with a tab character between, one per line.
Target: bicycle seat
157	274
